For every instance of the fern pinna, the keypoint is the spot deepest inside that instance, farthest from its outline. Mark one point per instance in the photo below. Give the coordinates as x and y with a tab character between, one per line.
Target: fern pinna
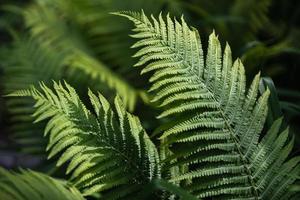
107	149
215	122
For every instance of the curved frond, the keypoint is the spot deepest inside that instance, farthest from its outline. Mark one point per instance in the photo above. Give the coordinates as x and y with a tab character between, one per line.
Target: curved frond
106	149
29	185
216	122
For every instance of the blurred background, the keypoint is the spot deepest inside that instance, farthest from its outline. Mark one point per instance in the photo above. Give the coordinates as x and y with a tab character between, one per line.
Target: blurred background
80	42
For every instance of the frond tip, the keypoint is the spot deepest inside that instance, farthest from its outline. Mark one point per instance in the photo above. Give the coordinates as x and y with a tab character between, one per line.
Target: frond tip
107	152
216	137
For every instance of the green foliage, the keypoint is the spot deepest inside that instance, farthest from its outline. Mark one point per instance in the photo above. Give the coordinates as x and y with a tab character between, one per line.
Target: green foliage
108	151
64	43
20	67
218	123
219	134
48	25
29	185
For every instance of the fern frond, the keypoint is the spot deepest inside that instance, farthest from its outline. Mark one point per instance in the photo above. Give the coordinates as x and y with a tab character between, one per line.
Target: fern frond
26	63
218	121
48	24
107	151
29	185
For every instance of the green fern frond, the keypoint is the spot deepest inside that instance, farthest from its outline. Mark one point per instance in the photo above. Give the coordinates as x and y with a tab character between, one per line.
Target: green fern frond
106	151
29	185
52	52
49	26
218	120
26	63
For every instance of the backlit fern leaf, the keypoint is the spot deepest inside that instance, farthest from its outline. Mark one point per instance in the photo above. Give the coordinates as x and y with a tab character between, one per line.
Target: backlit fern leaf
106	152
29	185
216	122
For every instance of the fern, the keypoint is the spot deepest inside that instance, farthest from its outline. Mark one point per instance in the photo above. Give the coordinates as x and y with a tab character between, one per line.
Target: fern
53	29
53	52
105	34
29	185
216	123
214	143
27	62
33	185
94	39
107	151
